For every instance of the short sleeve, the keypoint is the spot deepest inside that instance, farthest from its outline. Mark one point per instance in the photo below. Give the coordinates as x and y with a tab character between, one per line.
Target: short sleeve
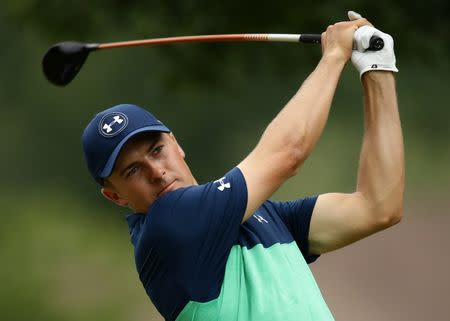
297	217
192	230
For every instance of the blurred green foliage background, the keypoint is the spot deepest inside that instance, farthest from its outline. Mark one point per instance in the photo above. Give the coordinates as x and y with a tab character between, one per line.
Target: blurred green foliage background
65	251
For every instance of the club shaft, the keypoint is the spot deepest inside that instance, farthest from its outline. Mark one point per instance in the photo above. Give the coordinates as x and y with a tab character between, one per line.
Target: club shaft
269	37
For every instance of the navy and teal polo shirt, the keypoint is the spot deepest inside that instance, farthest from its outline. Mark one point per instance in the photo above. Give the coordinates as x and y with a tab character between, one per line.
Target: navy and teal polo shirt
197	262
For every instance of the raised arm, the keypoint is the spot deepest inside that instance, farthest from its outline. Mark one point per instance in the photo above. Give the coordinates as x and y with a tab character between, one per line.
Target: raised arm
340	219
291	136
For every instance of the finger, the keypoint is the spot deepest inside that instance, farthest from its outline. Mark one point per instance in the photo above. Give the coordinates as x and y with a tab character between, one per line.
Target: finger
367	35
322	42
362	37
353	15
361	22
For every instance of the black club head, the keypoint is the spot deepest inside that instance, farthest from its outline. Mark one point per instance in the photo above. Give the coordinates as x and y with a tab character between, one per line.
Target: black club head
63	60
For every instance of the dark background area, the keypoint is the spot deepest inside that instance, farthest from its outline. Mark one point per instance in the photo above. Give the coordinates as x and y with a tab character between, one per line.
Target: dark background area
65	251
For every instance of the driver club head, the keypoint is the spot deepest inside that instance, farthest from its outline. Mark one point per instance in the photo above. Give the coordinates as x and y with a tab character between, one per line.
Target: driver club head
64	60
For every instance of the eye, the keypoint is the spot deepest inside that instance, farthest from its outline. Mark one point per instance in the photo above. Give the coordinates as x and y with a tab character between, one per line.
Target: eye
157	149
133	170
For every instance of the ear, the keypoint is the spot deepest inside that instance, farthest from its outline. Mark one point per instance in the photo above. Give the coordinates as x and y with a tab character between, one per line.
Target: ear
113	196
180	150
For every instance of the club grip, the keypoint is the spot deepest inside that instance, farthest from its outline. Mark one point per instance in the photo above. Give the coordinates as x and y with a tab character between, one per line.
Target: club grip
376	43
310	38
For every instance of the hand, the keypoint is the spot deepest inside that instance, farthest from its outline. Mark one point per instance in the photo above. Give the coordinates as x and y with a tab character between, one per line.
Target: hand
366	60
337	40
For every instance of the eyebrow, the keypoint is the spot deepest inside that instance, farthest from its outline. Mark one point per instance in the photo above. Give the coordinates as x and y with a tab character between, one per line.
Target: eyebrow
153	141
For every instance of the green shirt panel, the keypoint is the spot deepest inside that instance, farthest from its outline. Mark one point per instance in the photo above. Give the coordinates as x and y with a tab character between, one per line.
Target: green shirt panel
263	284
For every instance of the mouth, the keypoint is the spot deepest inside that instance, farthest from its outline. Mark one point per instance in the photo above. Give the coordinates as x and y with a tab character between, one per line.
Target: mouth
170	187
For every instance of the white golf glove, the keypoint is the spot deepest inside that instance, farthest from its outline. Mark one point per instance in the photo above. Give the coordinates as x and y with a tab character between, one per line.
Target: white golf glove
367	60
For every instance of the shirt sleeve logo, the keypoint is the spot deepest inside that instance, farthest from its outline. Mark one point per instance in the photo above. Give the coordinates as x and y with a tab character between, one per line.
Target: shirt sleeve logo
222	183
113	123
260	218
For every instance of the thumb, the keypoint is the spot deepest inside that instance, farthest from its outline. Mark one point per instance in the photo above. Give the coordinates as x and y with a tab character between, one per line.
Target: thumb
352	15
362	37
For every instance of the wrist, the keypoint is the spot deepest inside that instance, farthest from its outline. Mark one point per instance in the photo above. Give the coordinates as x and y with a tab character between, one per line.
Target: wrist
378	84
334	60
377	76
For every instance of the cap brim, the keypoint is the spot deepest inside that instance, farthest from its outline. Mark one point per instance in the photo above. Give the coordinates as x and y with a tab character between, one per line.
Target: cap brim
108	168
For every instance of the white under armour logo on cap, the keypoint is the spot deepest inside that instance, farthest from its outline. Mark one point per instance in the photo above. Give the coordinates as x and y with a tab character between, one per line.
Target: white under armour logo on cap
112	124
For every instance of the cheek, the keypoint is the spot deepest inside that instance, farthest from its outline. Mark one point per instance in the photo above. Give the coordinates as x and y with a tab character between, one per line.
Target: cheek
136	189
182	169
140	194
181	152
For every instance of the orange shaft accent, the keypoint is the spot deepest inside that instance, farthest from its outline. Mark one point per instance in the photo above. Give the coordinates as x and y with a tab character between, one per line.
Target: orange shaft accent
204	38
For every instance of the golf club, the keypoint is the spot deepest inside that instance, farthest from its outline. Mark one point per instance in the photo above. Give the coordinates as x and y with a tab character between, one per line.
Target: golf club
64	60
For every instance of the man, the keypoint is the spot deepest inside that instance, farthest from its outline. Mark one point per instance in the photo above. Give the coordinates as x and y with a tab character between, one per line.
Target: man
222	250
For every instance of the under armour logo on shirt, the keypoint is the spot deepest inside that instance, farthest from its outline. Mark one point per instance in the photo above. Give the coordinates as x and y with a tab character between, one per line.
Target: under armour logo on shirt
112	124
223	185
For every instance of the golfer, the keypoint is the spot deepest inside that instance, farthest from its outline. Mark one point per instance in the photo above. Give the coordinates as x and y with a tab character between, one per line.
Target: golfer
223	251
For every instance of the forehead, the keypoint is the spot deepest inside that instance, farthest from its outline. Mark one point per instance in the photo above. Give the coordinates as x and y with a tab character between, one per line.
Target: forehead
145	137
141	140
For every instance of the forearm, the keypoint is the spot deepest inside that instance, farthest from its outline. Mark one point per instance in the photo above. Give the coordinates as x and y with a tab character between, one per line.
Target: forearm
300	123
381	169
291	136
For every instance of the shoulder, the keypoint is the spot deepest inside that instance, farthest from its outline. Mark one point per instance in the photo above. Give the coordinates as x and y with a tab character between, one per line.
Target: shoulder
191	210
229	187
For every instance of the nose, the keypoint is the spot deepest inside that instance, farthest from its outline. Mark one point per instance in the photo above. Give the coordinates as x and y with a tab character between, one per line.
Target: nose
155	170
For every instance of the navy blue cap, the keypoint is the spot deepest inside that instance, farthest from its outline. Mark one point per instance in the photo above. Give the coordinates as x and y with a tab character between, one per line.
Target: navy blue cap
106	134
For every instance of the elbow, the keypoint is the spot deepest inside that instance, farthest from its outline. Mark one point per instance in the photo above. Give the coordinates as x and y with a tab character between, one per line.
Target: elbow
298	151
287	152
287	146
397	216
288	159
298	156
293	160
390	217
